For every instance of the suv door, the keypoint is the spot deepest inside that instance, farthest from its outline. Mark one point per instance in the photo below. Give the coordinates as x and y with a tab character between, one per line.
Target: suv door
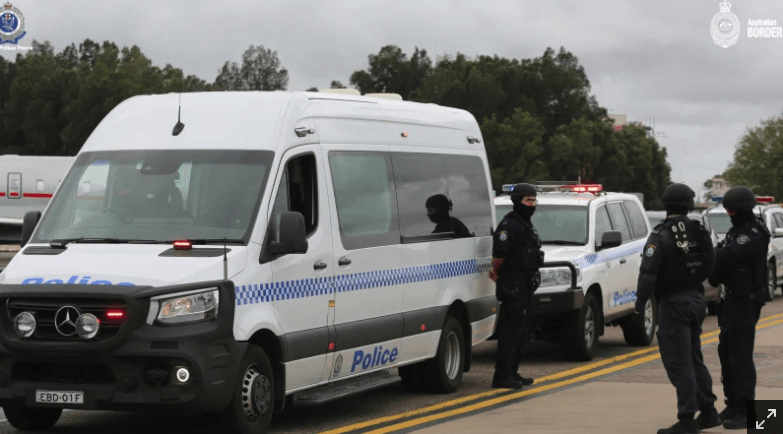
625	274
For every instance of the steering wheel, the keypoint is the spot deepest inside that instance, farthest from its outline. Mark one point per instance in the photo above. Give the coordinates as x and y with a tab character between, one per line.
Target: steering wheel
124	216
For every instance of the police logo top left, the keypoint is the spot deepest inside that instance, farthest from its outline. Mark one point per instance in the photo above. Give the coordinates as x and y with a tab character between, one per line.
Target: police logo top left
11	24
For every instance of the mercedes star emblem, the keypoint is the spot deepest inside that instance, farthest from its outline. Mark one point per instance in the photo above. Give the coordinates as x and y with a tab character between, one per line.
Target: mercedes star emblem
65	320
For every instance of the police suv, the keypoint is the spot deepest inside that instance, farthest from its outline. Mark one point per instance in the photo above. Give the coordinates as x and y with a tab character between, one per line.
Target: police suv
222	252
592	242
772	214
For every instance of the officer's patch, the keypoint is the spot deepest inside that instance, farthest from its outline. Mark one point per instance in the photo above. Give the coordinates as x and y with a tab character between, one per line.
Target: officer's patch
503	236
650	251
743	239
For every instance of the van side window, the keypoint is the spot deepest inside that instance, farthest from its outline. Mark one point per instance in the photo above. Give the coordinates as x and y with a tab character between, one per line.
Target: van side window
637	219
619	222
422	199
468	190
602	224
298	192
365	198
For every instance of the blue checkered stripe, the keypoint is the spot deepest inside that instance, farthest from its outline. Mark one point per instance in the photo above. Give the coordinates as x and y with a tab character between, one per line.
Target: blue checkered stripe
292	289
594	259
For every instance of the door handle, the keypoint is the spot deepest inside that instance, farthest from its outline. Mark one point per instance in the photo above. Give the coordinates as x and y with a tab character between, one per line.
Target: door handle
344	261
623	261
320	265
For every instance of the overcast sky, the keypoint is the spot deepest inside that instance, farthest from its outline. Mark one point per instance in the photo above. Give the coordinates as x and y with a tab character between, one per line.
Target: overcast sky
643	58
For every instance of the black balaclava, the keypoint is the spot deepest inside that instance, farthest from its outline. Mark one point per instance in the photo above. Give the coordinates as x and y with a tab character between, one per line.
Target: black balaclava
741	217
676	210
524	211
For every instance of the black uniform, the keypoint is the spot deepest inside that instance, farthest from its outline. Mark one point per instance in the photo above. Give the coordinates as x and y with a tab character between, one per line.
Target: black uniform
742	268
515	241
675	275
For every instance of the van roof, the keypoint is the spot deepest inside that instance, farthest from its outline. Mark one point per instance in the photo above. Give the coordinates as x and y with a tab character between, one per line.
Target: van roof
254	120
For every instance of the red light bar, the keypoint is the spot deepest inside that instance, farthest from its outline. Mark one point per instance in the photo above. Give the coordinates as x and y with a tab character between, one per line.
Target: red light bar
585	188
115	314
182	245
765	199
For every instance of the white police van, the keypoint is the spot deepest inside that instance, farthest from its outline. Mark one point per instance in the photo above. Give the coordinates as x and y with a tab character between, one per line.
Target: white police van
270	245
592	242
772	214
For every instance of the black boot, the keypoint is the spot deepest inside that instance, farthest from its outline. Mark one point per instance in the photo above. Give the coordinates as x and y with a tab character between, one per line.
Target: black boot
508	383
688	426
729	411
526	381
739	420
709	419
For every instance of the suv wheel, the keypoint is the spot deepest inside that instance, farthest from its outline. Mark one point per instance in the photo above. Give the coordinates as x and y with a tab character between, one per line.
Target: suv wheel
579	334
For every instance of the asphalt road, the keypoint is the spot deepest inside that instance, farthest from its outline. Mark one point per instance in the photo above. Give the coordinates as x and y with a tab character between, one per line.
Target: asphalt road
543	359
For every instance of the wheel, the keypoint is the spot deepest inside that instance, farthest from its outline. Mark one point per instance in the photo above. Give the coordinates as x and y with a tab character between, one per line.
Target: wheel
639	330
772	281
31	419
444	372
251	408
579	334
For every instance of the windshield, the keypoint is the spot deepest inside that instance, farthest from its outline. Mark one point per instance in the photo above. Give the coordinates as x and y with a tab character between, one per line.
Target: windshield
720	222
555	224
158	196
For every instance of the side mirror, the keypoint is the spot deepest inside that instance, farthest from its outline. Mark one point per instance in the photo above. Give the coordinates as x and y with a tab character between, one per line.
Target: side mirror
778	233
611	239
28	226
293	239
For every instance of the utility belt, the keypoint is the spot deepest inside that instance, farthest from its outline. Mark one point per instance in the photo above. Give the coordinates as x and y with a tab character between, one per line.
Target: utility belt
531	260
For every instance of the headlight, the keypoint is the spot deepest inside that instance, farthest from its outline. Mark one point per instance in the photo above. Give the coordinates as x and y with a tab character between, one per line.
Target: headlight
555	276
189	307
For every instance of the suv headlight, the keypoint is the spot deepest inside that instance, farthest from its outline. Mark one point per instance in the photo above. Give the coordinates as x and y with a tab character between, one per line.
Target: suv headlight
555	276
187	307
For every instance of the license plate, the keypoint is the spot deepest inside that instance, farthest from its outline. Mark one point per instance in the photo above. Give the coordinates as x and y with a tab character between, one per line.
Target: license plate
59	397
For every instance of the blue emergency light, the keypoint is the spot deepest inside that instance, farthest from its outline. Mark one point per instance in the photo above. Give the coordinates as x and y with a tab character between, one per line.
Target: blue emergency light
717	198
508	187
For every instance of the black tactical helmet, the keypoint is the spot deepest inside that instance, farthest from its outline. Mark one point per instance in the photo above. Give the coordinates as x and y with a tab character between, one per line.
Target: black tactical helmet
678	195
521	190
739	198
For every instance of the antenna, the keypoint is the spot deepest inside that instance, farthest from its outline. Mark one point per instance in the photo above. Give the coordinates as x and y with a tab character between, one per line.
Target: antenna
179	126
225	260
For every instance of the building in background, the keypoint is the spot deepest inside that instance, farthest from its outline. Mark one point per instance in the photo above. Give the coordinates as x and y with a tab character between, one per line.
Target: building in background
719	186
619	121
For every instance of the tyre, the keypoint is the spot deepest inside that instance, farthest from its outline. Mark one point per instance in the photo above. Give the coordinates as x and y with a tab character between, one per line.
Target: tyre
579	334
772	281
639	330
31	419
444	372
253	402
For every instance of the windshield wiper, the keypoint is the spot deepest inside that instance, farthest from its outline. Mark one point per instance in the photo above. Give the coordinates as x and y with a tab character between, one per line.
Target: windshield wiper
61	243
563	242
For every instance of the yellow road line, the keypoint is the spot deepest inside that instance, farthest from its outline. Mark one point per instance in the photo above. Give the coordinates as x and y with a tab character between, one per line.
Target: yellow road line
494	392
513	396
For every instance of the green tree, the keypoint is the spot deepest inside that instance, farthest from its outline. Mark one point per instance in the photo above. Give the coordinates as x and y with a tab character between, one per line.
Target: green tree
513	149
391	71
312	89
337	85
758	159
261	70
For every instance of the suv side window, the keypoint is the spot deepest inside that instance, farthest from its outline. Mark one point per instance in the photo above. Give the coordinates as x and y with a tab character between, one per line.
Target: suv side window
619	222
637	219
602	224
779	219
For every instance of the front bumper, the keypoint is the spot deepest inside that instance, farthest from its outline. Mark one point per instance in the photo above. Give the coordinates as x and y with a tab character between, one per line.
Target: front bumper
135	369
551	304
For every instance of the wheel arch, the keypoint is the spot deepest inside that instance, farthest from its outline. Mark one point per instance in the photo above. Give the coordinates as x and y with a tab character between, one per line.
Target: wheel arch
273	347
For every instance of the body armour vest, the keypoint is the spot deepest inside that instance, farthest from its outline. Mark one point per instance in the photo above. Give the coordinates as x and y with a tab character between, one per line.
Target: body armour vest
688	267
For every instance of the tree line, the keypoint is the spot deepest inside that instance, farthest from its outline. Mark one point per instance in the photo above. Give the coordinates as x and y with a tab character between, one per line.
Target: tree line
537	116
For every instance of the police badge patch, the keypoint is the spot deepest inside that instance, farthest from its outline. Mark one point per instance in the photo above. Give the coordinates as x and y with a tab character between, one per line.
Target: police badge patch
743	239
503	236
11	24
650	251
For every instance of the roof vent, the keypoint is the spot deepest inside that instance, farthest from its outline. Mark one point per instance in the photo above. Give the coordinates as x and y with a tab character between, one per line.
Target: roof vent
341	91
385	95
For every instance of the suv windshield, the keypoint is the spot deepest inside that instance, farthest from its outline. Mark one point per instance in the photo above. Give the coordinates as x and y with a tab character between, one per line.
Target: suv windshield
720	222
158	196
556	224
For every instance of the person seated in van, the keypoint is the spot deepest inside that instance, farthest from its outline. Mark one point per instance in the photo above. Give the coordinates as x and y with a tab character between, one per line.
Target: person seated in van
438	208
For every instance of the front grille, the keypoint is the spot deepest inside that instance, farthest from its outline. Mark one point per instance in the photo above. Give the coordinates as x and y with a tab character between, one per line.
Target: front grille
45	310
73	373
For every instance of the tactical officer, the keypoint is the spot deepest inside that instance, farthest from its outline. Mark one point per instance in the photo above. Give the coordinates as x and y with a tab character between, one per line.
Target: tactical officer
742	269
516	258
677	258
438	208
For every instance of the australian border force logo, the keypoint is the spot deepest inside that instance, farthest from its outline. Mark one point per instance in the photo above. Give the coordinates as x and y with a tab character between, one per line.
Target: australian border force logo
11	24
725	26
